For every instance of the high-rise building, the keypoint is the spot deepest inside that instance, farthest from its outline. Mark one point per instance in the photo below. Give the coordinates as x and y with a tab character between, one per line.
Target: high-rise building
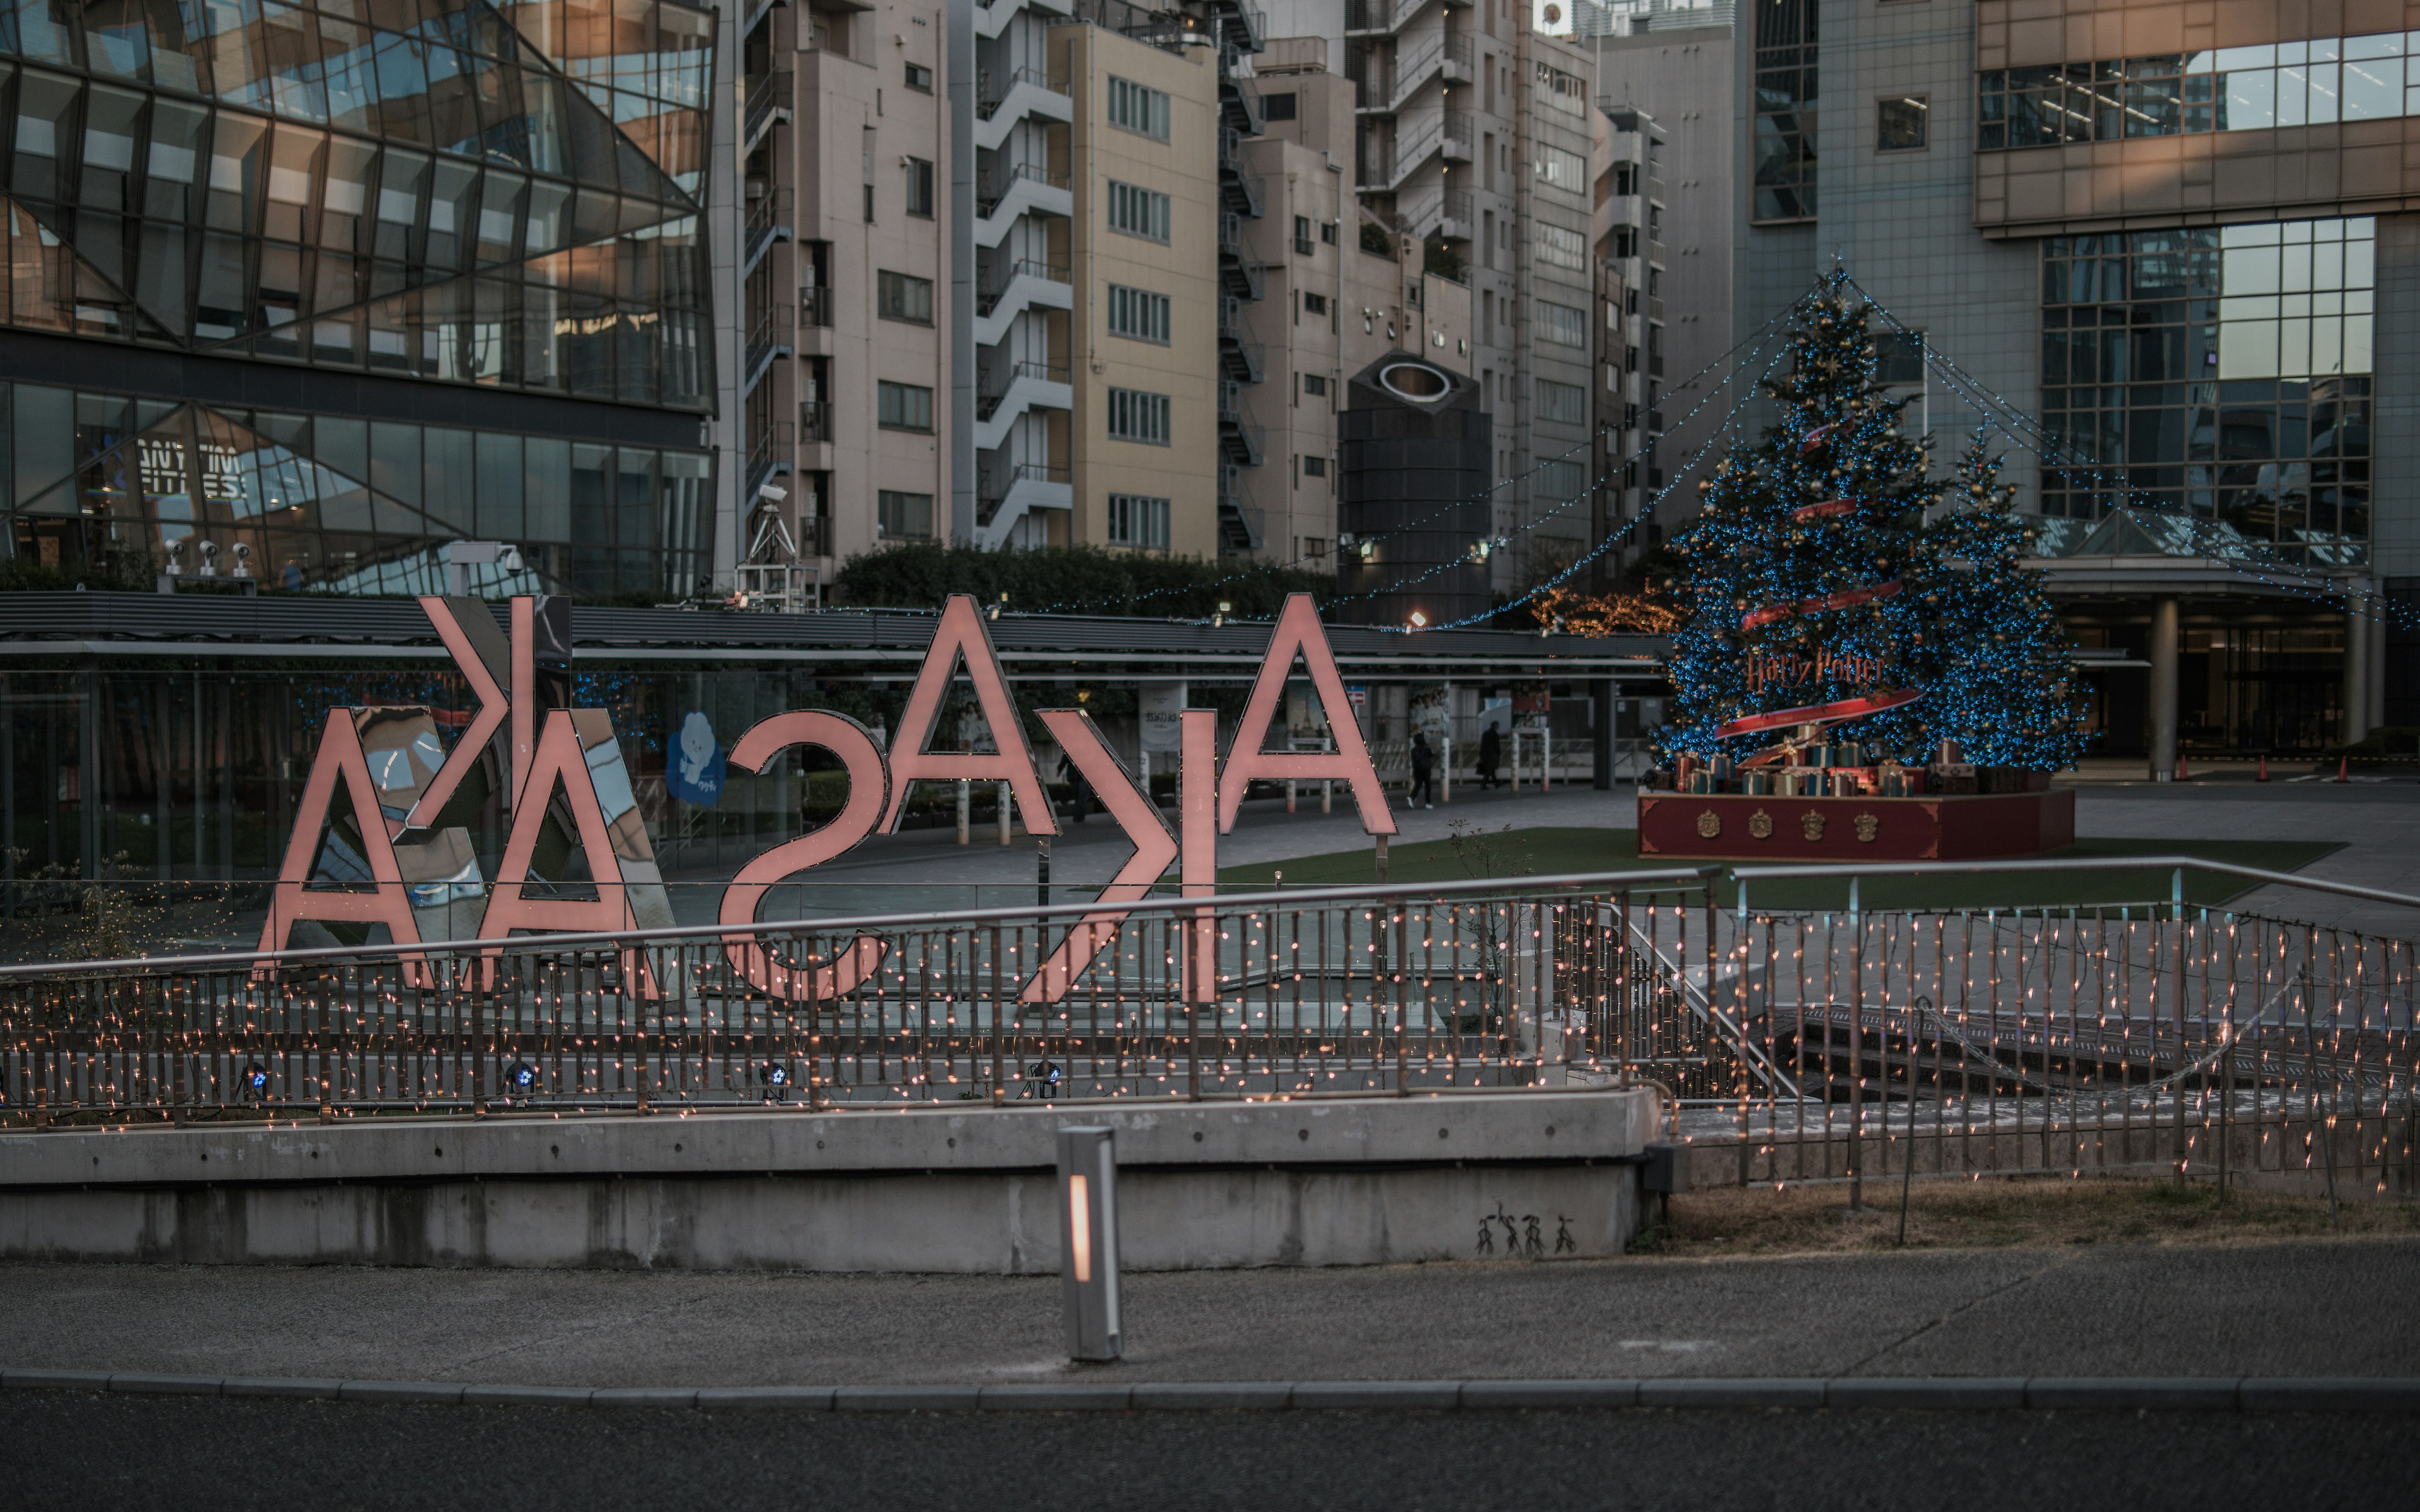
1670	64
298	294
1474	146
2164	249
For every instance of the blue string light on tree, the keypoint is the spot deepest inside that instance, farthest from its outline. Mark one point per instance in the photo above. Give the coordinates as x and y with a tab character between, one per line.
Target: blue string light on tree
1816	594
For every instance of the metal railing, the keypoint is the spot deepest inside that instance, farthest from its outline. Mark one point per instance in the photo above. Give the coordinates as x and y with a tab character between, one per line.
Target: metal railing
768	221
814	421
1007	182
814	305
988	297
1306	994
1804	1035
993	92
774	334
764	94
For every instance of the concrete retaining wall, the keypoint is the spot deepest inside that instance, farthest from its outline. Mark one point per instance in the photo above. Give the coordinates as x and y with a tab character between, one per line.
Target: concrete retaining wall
1514	1175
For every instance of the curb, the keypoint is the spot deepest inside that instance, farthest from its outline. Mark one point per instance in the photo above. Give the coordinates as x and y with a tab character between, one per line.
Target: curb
2169	1394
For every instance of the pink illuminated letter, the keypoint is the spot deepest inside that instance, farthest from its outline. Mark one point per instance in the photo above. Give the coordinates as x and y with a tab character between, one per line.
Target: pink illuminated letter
1154	850
1299	631
562	758
963	631
1197	783
868	785
340	758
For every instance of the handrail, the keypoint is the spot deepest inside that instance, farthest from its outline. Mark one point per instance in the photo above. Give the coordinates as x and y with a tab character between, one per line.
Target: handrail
1700	877
929	919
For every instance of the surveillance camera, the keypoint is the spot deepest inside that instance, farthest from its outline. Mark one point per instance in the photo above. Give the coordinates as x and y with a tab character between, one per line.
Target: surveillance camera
511	559
773	491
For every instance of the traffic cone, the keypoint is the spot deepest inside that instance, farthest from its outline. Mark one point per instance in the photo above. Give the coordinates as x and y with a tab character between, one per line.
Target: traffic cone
2342	763
2264	768
2182	775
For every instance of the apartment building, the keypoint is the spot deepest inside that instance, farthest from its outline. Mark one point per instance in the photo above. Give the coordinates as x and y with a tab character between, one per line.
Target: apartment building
1627	328
1670	64
1142	330
2175	240
1474	145
1332	302
303	295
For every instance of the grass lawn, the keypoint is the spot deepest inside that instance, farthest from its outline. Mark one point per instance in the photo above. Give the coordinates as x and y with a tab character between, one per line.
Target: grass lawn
2029	1212
1547	852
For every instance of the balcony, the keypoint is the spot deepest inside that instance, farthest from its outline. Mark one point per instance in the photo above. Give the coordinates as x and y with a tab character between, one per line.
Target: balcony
1025	386
814	422
1445	54
765	97
769	222
814	306
773	337
1003	499
769	454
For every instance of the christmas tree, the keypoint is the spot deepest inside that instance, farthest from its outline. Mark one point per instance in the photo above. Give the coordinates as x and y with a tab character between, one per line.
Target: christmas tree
1999	681
1816	595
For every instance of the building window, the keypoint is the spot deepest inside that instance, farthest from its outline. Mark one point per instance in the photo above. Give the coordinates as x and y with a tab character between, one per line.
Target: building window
904	406
1562	324
1137	211
1137	108
1558	483
1565	92
1312	546
1137	416
1327	232
1302	242
907	517
1558	248
2216	372
2225	89
1785	111
1314	305
905	296
1899	358
1564	403
1315	385
1138	313
1136	519
1314	467
920	187
1898	124
1554	166
919	78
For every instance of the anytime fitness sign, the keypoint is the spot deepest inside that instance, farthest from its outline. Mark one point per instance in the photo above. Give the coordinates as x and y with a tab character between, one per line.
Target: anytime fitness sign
552	761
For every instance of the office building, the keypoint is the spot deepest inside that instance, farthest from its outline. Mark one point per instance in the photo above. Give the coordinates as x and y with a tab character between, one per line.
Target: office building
298	297
2178	235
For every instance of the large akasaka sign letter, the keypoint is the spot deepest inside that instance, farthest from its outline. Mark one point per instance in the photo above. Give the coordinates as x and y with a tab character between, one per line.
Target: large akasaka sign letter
1299	632
558	772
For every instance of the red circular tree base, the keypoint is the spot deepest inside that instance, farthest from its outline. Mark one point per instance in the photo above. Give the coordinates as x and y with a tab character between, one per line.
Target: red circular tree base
1947	827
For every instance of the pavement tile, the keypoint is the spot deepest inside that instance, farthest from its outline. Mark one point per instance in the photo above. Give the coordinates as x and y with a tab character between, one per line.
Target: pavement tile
139	1383
1945	1393
1550	1394
401	1391
644	1396
322	1388
907	1399
786	1399
2134	1393
1747	1391
54	1380
1379	1393
527	1396
2330	1393
1057	1396
1211	1396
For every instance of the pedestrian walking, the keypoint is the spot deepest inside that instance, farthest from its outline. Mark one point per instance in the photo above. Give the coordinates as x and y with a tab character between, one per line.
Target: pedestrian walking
1491	754
1423	774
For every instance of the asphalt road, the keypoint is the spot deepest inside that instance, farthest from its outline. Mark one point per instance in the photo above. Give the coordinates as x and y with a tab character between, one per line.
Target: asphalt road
80	1452
2349	1308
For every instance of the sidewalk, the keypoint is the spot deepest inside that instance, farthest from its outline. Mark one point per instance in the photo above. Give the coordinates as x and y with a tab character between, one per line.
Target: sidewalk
2345	1308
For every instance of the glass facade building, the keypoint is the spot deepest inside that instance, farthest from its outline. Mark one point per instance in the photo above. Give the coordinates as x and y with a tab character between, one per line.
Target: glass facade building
2219	372
333	282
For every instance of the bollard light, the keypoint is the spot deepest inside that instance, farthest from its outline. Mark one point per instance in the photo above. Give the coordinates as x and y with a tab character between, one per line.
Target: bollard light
1088	1242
